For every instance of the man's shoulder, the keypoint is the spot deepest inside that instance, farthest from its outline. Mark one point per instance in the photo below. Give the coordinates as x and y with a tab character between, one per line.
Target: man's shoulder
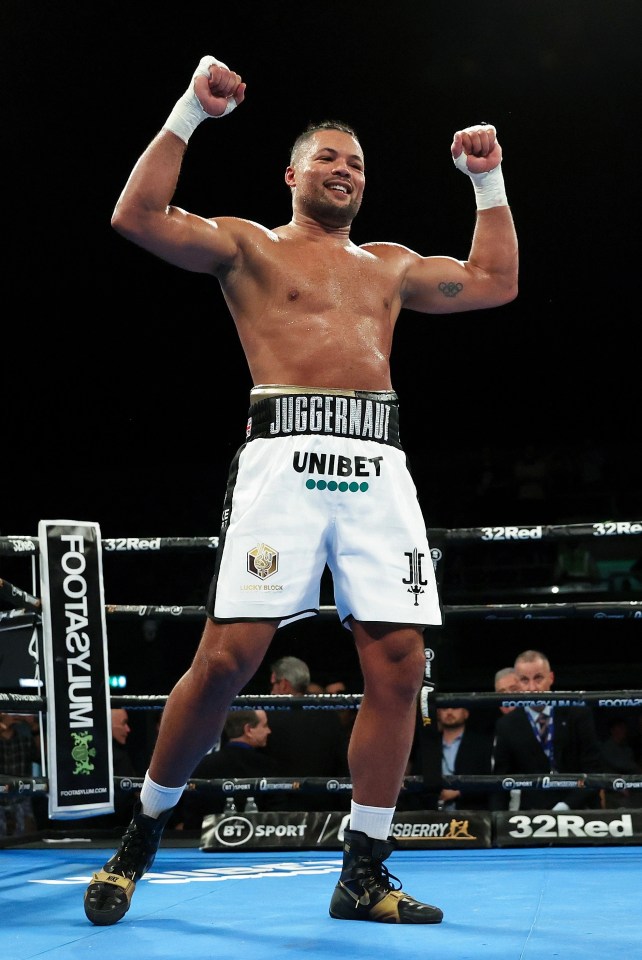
387	250
241	227
307	719
509	721
576	714
477	737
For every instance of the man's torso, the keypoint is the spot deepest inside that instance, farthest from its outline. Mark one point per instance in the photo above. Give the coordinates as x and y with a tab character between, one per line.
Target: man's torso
316	313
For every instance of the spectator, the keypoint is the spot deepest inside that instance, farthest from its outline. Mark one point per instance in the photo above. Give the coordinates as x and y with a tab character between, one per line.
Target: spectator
305	743
506	681
619	757
346	715
241	755
290	676
19	750
124	766
453	748
530	740
120	729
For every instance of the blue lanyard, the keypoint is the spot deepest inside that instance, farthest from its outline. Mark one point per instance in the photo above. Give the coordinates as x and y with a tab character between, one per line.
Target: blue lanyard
547	743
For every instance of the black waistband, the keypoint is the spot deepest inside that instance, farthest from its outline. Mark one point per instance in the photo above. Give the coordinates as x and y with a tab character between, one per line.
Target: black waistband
364	416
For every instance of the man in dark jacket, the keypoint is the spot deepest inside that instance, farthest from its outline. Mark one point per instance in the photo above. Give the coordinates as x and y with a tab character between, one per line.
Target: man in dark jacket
306	743
241	756
452	748
552	739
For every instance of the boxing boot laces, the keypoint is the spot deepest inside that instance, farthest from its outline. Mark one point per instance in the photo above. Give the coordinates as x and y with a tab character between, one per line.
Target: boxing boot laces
108	896
366	891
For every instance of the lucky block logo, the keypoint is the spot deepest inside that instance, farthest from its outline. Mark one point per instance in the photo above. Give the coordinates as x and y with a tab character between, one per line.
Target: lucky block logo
262	561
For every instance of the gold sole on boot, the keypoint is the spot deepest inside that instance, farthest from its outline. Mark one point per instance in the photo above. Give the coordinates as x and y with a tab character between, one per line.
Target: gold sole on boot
108	898
394	907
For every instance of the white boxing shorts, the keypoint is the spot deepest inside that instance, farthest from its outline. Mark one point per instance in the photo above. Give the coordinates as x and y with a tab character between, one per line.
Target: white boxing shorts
322	479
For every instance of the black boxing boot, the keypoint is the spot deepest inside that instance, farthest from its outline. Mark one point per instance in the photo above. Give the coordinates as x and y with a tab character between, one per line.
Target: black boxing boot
108	896
364	890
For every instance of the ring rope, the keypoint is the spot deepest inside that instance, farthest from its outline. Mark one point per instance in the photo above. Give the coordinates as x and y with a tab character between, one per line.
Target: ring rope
580	610
32	703
28	546
30	786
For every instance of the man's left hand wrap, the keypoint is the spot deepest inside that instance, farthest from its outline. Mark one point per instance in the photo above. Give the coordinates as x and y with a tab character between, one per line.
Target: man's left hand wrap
489	187
188	112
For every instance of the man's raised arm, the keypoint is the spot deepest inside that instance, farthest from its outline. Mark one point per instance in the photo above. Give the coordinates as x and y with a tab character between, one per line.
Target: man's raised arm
143	213
489	277
477	153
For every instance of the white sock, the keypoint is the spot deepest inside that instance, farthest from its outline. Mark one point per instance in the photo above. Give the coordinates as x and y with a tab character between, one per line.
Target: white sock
375	822
156	799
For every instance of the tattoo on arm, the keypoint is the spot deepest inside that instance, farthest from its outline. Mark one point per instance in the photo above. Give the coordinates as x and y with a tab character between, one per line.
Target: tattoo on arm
450	289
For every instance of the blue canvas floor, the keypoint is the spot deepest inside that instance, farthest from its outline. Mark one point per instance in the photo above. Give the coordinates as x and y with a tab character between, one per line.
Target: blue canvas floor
531	904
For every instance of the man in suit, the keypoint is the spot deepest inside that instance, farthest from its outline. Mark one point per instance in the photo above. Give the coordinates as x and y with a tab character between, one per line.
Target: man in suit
531	740
241	755
506	682
305	743
453	748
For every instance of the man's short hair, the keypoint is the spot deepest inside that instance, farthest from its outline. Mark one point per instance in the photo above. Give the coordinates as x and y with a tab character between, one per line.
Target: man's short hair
504	672
294	670
530	656
313	128
236	720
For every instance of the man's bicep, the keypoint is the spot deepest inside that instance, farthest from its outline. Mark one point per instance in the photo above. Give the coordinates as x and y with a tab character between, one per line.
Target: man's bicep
436	285
196	243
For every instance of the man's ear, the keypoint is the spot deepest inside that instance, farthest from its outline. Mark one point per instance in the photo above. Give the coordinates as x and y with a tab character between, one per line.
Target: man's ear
290	177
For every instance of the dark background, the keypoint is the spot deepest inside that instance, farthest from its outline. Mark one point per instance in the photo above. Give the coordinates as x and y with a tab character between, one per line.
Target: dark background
124	389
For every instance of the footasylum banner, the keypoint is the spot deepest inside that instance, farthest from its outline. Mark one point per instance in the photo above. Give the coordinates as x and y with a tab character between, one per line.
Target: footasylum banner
79	748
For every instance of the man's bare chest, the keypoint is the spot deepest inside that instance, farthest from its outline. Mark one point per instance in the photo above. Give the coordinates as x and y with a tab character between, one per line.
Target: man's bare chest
336	278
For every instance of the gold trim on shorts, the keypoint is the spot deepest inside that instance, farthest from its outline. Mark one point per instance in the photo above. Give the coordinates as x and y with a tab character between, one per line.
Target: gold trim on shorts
265	390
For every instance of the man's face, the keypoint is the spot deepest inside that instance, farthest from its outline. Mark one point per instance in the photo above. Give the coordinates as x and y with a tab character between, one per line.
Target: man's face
279	686
534	676
507	684
261	732
328	178
7	723
120	726
451	717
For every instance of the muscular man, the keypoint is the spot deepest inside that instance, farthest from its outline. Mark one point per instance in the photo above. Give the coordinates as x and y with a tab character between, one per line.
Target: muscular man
321	477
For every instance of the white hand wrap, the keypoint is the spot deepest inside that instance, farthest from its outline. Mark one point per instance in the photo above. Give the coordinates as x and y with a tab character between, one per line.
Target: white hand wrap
489	187
188	112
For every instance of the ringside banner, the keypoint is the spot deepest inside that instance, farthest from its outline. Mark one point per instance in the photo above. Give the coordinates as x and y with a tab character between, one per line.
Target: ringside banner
568	828
427	829
79	748
314	829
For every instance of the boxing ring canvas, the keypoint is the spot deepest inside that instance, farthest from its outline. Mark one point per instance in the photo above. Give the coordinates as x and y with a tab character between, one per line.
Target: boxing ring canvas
517	904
